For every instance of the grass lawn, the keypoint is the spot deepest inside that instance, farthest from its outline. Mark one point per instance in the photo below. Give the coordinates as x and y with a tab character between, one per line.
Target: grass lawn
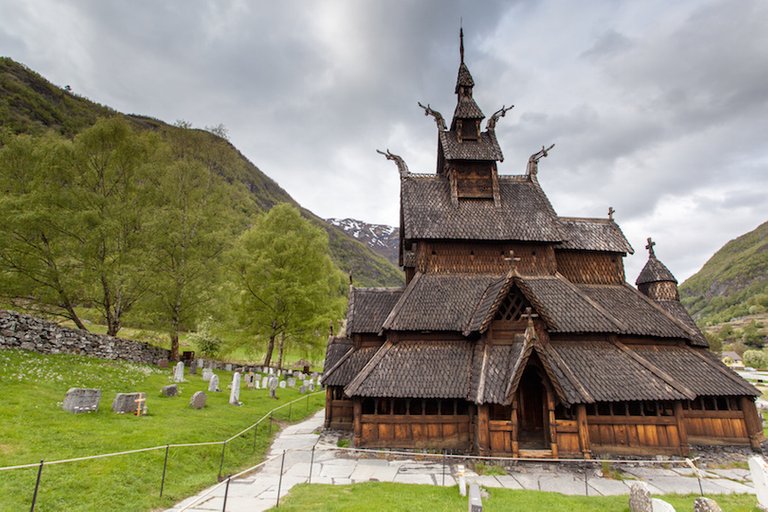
425	498
33	427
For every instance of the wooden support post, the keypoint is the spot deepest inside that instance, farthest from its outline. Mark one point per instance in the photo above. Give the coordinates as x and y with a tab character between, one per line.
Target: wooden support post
552	423
682	432
752	421
515	430
358	421
328	407
581	422
483	439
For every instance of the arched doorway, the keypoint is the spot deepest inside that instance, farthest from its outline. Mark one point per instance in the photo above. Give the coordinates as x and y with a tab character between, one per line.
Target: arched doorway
532	409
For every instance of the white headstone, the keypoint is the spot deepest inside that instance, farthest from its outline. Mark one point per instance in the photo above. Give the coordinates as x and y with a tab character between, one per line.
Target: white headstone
759	470
292	382
228	367
256	385
250	380
178	372
311	387
234	394
462	479
660	505
282	384
272	386
213	384
264	382
271	371
200	363
207	374
640	498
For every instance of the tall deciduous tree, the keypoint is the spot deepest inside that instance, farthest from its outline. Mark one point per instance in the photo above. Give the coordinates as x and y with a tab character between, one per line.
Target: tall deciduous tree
288	285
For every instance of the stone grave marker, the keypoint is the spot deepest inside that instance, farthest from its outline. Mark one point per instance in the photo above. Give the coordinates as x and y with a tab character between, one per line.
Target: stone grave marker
640	498
178	372
282	384
706	505
475	498
265	382
125	403
192	368
311	387
273	387
228	367
303	389
234	393
200	363
170	390
759	470
207	374
314	375
250	380
162	363
213	384
659	505
302	376
79	400
292	382
198	400
256	384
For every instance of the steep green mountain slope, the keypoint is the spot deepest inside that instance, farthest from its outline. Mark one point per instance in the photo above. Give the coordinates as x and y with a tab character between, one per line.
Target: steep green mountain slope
734	282
32	105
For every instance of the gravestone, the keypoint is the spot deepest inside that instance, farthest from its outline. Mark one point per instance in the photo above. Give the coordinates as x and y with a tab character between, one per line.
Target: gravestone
192	368
213	384
303	389
462	479
80	400
659	505
759	470
265	382
475	498
292	382
250	380
162	363
178	372
311	387
282	384
198	400
706	505
256	384
314	375
234	393
200	363
207	374
273	387
170	390
228	367
640	498
125	403
302	376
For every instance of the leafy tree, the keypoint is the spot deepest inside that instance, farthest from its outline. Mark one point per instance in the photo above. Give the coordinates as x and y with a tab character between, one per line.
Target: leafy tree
715	343
756	359
207	343
288	288
37	235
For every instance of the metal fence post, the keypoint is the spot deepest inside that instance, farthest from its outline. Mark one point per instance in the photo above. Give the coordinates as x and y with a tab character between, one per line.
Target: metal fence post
311	463
221	464
37	486
226	493
165	466
280	481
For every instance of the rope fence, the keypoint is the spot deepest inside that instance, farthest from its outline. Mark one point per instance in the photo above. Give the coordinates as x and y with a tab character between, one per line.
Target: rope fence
167	447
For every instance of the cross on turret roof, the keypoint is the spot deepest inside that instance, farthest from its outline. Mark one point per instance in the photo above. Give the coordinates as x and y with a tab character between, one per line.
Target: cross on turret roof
650	245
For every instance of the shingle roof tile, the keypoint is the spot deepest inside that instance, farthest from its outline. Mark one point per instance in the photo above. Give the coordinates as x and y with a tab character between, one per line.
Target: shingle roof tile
369	307
593	235
654	270
349	367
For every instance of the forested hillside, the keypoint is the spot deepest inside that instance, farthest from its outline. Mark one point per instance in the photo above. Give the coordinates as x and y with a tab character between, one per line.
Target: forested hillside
733	282
29	104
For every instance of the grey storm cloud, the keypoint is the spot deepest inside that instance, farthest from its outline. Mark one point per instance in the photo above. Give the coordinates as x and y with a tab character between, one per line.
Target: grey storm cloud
658	109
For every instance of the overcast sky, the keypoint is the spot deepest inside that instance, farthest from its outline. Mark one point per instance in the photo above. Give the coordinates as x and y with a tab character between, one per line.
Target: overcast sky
657	108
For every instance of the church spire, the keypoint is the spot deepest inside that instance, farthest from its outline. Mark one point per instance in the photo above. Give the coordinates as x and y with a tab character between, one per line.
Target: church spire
655	280
461	44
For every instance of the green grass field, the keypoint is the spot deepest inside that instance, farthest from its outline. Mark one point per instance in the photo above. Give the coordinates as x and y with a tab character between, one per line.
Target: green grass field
423	498
33	426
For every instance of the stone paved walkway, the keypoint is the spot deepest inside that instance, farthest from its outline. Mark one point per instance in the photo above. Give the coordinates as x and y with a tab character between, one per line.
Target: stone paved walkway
258	491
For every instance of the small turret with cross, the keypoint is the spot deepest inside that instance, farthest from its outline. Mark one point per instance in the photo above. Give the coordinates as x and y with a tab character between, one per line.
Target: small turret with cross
650	245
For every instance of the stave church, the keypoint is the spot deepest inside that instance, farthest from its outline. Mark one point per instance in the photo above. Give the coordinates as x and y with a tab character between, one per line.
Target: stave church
516	333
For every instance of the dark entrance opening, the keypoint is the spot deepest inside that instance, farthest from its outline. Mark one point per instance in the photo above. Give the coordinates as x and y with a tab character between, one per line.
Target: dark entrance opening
532	411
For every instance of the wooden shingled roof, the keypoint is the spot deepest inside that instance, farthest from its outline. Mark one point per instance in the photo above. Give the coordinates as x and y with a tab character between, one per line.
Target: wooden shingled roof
368	308
485	148
349	365
593	235
416	369
524	212
653	271
336	349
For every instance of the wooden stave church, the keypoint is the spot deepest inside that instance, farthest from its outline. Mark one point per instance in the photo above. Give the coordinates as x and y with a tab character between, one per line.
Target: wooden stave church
516	333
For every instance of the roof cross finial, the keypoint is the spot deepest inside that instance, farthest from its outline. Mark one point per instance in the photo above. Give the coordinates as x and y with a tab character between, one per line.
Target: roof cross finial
611	211
461	41
511	259
650	245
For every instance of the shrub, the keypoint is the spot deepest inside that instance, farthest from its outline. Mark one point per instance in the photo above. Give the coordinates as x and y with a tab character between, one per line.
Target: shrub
207	343
756	359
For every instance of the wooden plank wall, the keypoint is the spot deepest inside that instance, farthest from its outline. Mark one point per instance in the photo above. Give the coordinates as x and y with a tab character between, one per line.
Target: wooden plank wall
411	431
591	267
568	438
634	434
473	257
342	414
715	427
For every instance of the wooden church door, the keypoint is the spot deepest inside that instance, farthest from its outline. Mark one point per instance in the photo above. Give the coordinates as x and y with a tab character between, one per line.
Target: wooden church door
532	411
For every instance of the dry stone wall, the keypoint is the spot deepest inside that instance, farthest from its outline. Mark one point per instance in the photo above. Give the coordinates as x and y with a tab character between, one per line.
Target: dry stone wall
25	332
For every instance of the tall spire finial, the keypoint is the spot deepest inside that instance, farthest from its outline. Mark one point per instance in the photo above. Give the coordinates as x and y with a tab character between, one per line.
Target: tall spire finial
461	43
650	245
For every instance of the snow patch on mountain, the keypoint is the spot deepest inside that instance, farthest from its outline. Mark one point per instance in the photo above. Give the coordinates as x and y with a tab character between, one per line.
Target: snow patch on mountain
381	238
